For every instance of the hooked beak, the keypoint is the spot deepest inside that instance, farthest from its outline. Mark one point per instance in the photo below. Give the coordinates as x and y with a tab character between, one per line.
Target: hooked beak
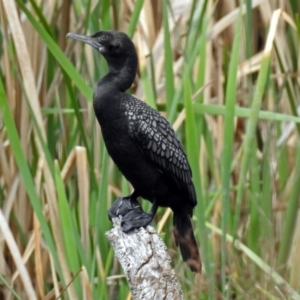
84	38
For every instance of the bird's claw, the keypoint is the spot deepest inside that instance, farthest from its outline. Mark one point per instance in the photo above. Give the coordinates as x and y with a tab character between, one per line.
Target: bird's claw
132	213
122	206
135	219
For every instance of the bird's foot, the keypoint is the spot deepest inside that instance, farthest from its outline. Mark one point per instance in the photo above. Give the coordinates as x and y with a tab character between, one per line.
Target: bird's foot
122	206
132	213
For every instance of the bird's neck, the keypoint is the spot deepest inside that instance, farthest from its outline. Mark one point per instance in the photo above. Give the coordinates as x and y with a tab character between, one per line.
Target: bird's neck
121	74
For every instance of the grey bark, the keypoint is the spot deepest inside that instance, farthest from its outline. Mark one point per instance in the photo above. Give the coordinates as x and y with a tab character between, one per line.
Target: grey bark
145	262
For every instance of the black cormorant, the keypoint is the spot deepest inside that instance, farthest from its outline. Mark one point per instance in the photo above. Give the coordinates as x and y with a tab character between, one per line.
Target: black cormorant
142	144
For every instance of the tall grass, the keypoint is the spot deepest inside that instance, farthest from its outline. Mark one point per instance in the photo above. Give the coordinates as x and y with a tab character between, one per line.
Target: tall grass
226	77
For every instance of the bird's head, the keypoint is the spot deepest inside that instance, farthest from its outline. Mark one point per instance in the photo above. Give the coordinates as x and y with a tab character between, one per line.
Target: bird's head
115	46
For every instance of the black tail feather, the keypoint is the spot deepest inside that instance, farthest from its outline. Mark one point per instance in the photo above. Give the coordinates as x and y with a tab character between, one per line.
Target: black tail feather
185	239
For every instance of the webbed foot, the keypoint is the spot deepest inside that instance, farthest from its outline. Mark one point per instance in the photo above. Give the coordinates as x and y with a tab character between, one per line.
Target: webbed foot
122	206
132	213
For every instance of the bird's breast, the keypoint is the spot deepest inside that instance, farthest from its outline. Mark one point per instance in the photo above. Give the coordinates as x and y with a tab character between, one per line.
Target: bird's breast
114	126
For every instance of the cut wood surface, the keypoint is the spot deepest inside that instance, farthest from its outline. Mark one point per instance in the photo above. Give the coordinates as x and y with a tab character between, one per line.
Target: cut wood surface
146	263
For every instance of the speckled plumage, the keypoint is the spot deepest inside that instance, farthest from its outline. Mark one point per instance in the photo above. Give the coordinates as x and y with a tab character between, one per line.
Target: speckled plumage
143	145
157	140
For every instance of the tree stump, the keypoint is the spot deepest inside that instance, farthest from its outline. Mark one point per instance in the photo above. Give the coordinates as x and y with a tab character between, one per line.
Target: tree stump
146	263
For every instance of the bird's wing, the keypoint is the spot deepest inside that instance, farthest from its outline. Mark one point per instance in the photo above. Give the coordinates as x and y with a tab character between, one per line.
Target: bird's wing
158	142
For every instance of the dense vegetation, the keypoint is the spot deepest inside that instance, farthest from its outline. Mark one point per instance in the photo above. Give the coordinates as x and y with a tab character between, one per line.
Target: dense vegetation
226	77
